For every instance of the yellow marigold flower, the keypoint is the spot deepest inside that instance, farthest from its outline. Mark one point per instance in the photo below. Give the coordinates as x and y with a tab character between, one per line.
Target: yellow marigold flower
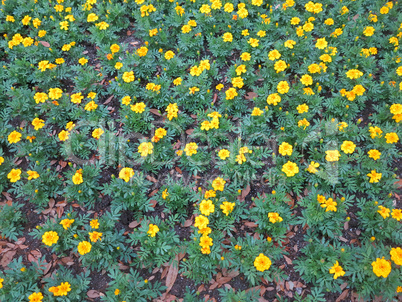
329	21
374	154
306	80
253	42
294	21
116	292
285	149
375	132
227	37
97	133
312	168
274	55
32	175
126	174
348	147
77	177
172	110
280	65
257	112
128	76
383	211
237	82
354	74
41	33
231	93
35	297
396	255
25	20
241	69
290	169
329	205
308	26
94	224
302	108
369	31
273	99
321	43
10	18
50	238
303	123
91	106
177	81
169	55
207	207
55	93
14	137
83	61
218	184
381	267
84	247
289	44
261	33
138	107
193	90
223	154
66	223
245	56
274	217
205	9
283	87
374	176
332	155
205	241
64	25
397	214
63	135
102	25
14	175
145	148
201	222
228	7
396	109
391	138
92	17
337	270
262	263
95	236
227	207
191	149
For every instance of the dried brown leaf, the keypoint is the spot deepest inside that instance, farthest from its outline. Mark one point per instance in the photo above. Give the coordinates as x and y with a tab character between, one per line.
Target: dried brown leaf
172	274
155	111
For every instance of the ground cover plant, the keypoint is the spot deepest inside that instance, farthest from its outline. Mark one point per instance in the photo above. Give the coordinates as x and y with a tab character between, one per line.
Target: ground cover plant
200	150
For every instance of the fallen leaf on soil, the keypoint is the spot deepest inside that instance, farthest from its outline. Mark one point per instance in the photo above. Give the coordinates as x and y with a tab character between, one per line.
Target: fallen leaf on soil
250	224
244	193
153	193
133	224
250	95
178	170
155	111
187	223
94	294
288	260
343	295
7	257
150	178
34	255
201	288
108	100
44	43
172	274
153	203
189	131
